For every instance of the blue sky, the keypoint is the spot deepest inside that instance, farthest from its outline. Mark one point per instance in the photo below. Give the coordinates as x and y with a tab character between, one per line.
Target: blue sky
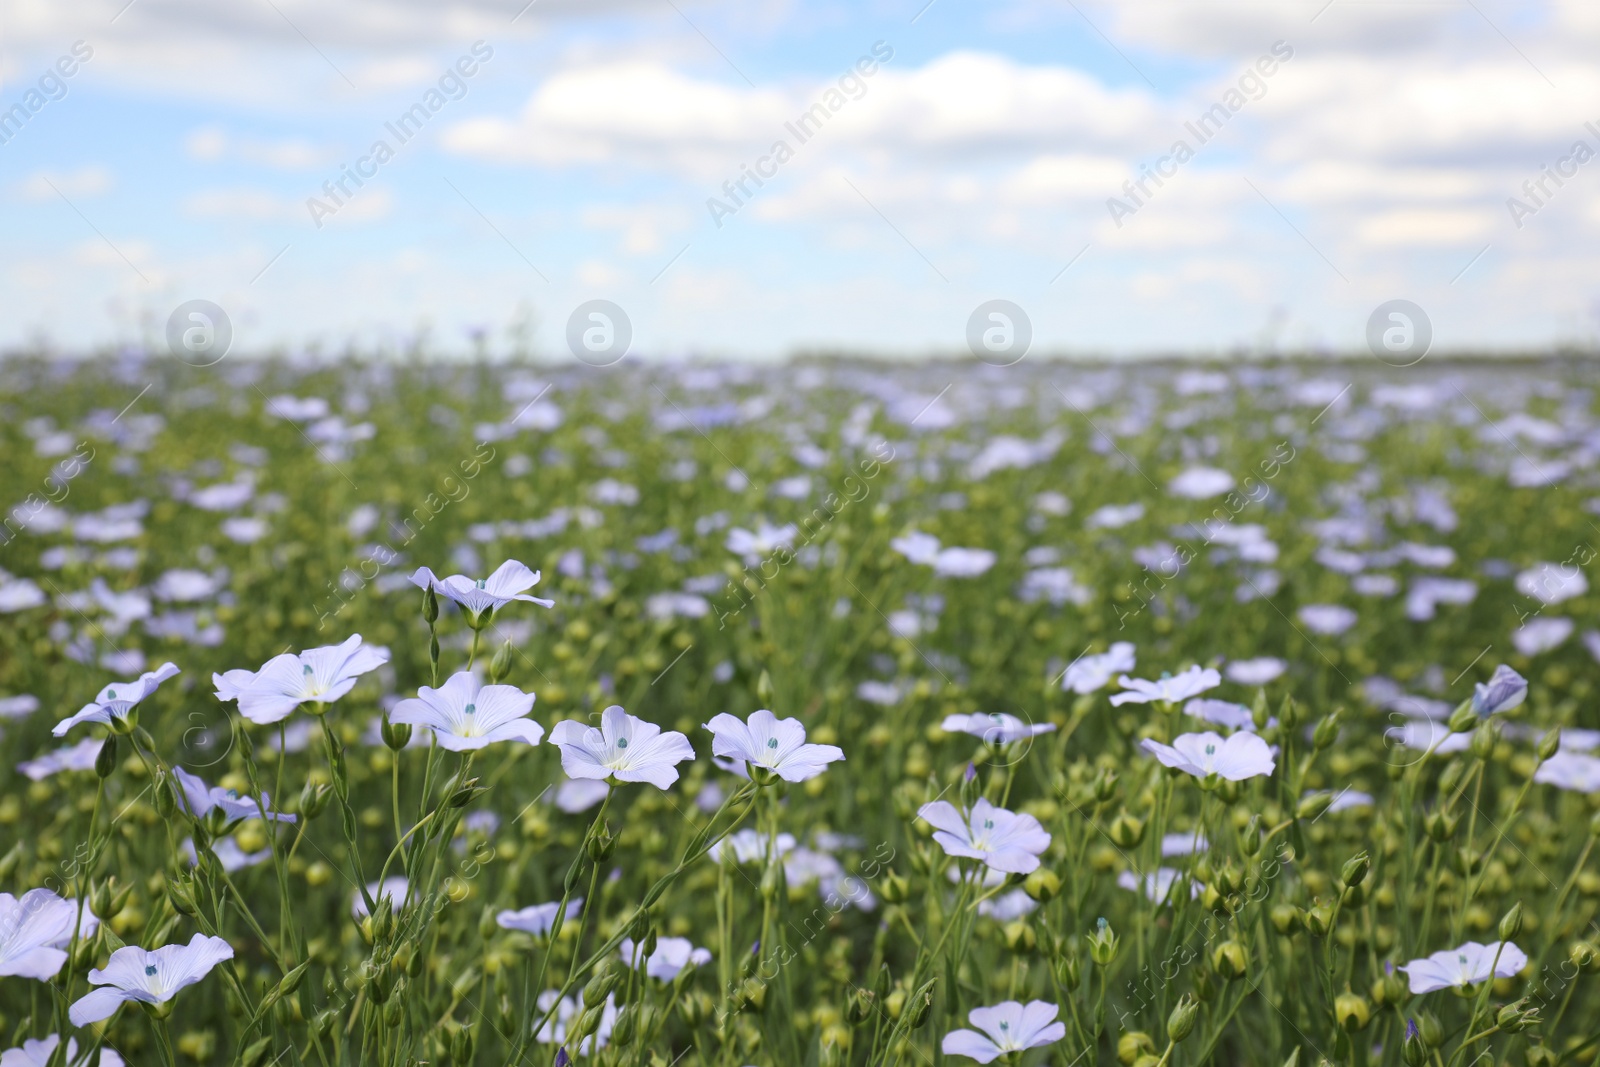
977	163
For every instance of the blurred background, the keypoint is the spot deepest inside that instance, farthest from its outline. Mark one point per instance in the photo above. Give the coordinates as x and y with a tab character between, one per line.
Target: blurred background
936	154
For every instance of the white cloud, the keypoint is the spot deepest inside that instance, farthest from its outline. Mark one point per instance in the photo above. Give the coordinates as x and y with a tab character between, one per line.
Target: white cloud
211	144
74	184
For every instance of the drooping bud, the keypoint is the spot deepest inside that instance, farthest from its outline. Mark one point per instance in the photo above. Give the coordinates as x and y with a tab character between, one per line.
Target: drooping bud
105	761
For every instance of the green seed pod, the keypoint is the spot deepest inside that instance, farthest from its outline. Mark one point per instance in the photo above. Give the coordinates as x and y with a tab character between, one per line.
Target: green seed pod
1132	1044
1318	918
430	606
1429	1029
1180	1023
1105	785
1541	1056
466	794
1352	1011
603	983
1127	831
1286	918
396	735
1231	960
486	924
1042	885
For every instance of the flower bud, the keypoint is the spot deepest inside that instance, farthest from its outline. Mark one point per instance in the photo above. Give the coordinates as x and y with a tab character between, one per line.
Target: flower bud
1505	689
1352	1011
465	795
1318	918
1441	825
1511	922
1068	973
1127	831
461	1045
105	761
1103	943
181	895
1484	738
1549	745
753	996
1462	719
603	983
430	606
1414	1050
1517	1015
600	844
627	1023
1541	1056
395	734
1430	1029
1180	1024
1230	959
1105	785
1391	989
1133	1044
859	1008
500	666
1042	885
1313	806
166	796
1584	956
1250	838
1326	733
895	889
921	1004
1355	870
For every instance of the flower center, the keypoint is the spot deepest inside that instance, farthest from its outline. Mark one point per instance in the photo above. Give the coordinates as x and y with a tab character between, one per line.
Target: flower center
622	742
111	694
472	709
988	824
150	969
481	581
772	742
1211	750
